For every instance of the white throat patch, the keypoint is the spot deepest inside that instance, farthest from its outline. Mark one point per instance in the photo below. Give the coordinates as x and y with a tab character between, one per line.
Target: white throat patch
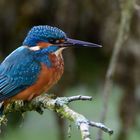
35	48
59	52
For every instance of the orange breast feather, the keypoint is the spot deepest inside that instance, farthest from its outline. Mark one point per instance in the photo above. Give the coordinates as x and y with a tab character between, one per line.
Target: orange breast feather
37	88
47	78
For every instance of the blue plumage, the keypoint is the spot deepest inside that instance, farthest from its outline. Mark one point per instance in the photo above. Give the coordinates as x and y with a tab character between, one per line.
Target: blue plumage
43	55
16	74
44	34
23	67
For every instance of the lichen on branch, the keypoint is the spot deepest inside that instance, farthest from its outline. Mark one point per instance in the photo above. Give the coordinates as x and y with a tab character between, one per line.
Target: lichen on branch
60	106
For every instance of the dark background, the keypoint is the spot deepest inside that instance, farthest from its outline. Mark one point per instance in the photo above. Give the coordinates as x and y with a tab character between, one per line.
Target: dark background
90	20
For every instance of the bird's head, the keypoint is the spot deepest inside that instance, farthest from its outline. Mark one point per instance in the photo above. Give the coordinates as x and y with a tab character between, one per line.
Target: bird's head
51	39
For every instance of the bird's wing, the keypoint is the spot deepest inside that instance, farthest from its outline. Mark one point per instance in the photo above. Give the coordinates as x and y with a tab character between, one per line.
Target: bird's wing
17	72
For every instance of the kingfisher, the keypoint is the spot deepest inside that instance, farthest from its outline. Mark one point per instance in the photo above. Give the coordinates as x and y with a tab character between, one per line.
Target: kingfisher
35	66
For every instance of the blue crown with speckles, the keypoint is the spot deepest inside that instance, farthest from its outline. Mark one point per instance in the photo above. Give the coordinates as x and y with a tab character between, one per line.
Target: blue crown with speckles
43	33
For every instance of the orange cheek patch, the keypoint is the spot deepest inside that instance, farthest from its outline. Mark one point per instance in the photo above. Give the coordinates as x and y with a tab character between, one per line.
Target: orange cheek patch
43	44
62	40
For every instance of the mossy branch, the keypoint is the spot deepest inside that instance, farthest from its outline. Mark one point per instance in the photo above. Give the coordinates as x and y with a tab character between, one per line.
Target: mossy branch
59	105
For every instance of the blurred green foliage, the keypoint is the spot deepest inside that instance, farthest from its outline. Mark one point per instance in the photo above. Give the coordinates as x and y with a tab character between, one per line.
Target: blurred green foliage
44	126
91	20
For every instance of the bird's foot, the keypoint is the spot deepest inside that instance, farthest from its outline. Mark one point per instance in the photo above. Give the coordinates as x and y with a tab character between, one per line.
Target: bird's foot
39	110
1	110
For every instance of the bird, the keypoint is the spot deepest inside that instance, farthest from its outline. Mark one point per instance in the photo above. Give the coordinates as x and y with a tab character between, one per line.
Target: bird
35	66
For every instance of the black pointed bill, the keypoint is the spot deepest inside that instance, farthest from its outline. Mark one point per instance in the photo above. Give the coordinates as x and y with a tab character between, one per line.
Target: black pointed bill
78	43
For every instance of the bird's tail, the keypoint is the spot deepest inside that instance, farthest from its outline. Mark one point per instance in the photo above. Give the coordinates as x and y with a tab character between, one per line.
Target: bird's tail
1	108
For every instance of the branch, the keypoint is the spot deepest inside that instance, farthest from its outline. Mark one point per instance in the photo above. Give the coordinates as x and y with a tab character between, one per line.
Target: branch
59	105
136	6
126	15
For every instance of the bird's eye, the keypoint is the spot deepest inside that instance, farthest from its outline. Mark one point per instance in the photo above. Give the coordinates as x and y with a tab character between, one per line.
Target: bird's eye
51	40
55	41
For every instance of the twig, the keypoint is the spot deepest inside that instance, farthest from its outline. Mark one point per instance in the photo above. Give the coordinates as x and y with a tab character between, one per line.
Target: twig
58	105
126	15
137	7
79	97
101	126
84	128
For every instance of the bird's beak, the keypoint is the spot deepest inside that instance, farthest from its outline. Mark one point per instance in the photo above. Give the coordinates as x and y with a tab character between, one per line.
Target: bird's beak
77	43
